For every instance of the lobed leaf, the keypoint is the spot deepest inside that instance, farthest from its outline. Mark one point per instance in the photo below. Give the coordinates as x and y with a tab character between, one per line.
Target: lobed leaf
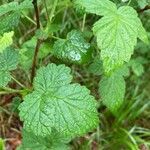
74	48
55	103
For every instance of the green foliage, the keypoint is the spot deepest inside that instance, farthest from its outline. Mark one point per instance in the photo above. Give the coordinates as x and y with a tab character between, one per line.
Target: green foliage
10	14
112	91
74	48
6	40
116	32
1	144
95	39
96	67
53	142
8	62
55	103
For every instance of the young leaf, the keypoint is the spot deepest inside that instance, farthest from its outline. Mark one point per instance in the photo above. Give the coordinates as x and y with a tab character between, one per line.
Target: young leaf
74	48
6	40
55	103
53	142
8	62
112	91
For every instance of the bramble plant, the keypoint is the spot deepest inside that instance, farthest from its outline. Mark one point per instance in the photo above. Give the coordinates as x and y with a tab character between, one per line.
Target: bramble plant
40	57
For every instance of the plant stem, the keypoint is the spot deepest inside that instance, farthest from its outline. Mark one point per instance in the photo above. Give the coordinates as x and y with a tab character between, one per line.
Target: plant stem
35	59
9	90
83	23
144	9
38	41
45	4
53	10
17	82
34	2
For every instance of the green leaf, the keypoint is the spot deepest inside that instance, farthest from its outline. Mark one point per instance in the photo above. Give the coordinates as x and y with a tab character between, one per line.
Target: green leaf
117	35
1	144
27	52
8	62
6	40
112	91
53	142
142	34
116	32
96	67
74	48
137	67
8	23
15	6
13	9
55	103
99	7
5	8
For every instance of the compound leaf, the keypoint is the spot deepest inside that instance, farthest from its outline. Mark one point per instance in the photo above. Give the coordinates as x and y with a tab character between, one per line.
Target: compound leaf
8	62
74	48
54	103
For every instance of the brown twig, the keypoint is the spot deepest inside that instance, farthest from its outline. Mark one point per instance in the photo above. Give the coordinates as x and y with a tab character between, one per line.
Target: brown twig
36	13
144	9
38	41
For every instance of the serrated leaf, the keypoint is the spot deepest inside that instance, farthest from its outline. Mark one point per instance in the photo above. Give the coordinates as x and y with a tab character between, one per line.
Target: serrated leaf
15	6
55	103
8	62
99	7
53	142
74	48
8	23
116	32
14	9
112	91
117	35
6	40
5	8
